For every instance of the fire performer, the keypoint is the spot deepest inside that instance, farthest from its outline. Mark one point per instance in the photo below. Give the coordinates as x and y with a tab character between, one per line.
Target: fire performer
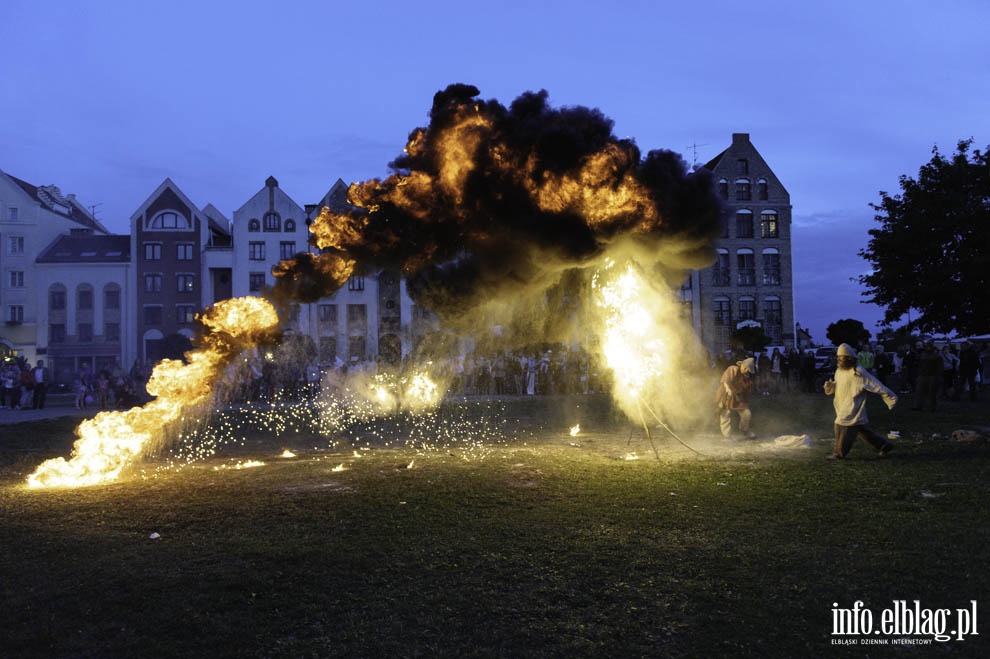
850	386
733	396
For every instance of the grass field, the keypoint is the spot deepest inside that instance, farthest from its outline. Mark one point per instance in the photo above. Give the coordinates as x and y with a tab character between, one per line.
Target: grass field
530	543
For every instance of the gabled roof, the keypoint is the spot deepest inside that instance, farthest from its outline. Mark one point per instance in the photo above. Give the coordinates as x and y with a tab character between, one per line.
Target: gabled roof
51	198
219	224
87	248
336	198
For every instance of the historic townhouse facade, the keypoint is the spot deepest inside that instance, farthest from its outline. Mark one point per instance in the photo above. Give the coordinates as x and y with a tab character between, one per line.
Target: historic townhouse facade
750	281
31	217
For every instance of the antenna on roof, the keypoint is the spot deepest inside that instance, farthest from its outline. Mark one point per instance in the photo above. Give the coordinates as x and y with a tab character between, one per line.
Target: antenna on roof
92	209
694	155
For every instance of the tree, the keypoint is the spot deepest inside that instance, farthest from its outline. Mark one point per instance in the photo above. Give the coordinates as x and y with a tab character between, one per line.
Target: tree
930	253
751	338
848	331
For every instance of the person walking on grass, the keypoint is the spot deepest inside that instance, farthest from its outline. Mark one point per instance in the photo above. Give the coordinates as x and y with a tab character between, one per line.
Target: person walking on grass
849	386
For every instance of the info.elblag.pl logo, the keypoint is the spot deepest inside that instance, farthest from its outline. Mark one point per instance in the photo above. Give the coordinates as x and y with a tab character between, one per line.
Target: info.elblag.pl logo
902	624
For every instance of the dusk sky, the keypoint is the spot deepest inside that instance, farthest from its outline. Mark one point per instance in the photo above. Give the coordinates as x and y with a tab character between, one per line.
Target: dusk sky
106	99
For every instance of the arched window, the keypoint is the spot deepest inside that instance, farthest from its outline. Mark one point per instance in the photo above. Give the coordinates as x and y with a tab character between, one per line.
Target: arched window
272	221
168	221
744	223
254	224
723	188
56	297
722	311
745	268
771	267
290	225
747	308
769	227
743	190
761	189
721	269
84	297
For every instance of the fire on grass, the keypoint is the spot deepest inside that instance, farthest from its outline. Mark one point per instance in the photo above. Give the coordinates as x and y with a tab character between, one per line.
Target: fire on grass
109	442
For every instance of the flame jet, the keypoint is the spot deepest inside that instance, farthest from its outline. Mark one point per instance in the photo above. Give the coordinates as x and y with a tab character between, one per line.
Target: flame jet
500	216
109	442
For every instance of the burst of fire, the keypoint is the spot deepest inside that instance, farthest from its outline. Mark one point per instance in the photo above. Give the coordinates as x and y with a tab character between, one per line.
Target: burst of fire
575	429
111	441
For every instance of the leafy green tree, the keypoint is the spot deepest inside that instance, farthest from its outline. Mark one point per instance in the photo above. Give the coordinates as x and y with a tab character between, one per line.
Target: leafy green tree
930	253
848	331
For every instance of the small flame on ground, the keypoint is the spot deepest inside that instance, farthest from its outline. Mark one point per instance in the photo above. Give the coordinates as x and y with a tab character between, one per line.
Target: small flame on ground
339	467
287	454
575	429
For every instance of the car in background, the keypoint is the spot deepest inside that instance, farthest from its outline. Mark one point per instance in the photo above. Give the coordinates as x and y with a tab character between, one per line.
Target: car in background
825	359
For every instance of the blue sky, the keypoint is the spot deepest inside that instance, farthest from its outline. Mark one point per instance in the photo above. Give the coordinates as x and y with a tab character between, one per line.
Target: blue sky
107	98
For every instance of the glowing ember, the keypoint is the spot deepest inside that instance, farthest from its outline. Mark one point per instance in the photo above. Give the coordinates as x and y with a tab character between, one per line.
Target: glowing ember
287	454
575	430
111	441
339	467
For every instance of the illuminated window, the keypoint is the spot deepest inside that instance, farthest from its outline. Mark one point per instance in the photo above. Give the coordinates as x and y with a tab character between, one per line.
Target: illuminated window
185	283
769	228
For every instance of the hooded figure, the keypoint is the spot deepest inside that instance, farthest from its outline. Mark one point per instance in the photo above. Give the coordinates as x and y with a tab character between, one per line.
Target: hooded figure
850	385
733	396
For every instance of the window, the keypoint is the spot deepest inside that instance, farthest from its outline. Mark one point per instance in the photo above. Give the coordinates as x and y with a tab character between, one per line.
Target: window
761	189
256	251
168	220
256	281
15	313
768	225
153	283
254	225
290	225
111	332
16	279
357	317
286	249
723	188
743	192
184	251
747	309
152	251
722	311
720	271
56	333
744	224
12	213
273	222
355	283
186	283
153	314
84	331
85	299
111	298
772	312
186	314
15	245
742	166
56	299
328	313
746	270
771	268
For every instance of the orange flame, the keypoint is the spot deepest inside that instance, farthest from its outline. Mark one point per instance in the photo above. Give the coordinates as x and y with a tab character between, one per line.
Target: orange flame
111	441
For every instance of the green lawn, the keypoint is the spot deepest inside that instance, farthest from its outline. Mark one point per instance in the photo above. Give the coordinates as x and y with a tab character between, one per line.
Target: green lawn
528	544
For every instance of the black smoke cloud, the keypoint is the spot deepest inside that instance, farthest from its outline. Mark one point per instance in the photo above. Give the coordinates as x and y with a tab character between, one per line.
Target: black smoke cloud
494	213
